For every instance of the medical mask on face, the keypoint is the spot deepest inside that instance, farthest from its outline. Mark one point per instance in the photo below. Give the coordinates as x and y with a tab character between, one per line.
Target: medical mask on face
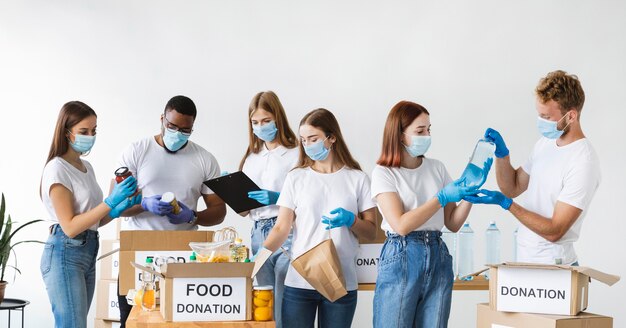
317	151
419	145
266	132
82	143
174	140
549	128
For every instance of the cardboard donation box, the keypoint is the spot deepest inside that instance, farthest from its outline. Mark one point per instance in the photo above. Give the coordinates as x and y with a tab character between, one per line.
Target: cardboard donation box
488	318
99	323
369	253
538	288
206	291
136	246
107	305
110	265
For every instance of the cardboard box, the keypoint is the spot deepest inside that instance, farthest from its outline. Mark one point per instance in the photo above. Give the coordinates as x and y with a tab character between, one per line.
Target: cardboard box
206	291
109	265
99	323
136	246
107	305
488	318
369	253
537	288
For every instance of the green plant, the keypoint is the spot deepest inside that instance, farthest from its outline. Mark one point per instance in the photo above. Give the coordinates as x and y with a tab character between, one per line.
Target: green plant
6	248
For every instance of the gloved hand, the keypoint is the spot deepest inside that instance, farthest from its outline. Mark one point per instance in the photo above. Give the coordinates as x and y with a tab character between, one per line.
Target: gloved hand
493	135
491	197
262	249
223	173
454	192
184	216
341	218
124	205
121	191
154	205
265	197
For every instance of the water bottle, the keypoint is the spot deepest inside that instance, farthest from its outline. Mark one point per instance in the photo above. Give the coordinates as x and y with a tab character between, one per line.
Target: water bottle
515	244
148	297
449	238
492	237
466	251
473	172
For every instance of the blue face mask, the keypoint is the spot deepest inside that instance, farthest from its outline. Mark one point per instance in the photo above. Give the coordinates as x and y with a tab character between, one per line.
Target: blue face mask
174	140
419	145
266	132
317	151
549	128
82	143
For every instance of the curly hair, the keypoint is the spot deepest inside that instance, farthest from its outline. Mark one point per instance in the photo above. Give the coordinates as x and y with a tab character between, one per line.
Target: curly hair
563	88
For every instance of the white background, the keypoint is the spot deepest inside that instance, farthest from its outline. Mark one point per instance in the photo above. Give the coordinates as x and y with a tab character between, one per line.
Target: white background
473	64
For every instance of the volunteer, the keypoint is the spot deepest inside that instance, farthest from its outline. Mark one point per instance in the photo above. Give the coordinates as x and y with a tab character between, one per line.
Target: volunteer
271	154
73	199
170	162
416	198
560	177
327	190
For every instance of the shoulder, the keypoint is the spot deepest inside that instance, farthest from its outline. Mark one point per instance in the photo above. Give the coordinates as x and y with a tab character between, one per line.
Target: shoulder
200	151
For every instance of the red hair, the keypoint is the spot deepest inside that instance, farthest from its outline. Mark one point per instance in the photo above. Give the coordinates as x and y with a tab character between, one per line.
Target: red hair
400	116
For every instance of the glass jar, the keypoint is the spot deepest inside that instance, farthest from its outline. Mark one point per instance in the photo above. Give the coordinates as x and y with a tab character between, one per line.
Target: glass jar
263	303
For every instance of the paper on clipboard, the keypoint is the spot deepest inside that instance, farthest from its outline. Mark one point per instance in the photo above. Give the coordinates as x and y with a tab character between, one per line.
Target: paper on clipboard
233	189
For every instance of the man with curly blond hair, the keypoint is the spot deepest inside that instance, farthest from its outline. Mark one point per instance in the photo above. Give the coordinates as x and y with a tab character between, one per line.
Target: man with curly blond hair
559	178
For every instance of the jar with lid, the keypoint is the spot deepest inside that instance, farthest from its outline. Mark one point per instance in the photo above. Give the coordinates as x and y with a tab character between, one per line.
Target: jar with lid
263	303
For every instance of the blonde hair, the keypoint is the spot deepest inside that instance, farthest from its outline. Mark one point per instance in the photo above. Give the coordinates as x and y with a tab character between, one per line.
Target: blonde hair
564	89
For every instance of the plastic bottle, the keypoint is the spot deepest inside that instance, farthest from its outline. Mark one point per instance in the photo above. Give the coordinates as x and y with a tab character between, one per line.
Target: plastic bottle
238	251
492	238
148	297
193	258
169	197
449	238
473	172
466	251
515	245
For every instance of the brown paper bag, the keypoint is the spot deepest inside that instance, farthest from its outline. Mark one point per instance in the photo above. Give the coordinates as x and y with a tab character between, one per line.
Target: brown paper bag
321	268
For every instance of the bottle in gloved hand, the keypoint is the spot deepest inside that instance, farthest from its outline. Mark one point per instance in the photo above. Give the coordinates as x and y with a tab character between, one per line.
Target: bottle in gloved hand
466	251
169	197
148	296
474	170
492	237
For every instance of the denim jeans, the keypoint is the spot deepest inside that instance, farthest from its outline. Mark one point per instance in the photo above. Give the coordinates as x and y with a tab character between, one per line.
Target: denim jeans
274	270
68	267
414	283
300	306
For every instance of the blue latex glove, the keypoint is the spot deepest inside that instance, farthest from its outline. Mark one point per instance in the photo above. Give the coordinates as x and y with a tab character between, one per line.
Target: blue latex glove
341	218
257	253
184	216
496	138
223	173
124	205
154	205
454	192
121	191
491	197
265	197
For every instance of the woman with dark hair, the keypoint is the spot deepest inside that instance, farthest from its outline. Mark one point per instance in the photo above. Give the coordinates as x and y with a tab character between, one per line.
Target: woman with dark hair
73	199
416	198
271	154
327	190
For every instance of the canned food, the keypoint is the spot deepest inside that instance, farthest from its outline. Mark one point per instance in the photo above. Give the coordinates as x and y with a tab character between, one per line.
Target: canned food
263	303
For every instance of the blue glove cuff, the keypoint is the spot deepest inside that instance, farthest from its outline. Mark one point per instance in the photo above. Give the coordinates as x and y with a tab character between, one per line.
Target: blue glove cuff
503	153
109	203
442	198
506	203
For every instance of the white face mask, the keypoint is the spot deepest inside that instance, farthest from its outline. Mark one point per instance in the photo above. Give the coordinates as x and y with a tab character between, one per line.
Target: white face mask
549	128
82	143
419	145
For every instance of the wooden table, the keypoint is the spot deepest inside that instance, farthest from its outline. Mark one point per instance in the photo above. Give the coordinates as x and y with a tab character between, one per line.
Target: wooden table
153	319
478	283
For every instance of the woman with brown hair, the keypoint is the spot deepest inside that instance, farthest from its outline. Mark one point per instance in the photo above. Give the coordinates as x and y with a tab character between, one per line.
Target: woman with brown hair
327	190
73	199
272	152
416	197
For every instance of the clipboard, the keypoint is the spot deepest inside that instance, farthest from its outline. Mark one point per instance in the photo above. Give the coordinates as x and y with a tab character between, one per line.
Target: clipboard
233	189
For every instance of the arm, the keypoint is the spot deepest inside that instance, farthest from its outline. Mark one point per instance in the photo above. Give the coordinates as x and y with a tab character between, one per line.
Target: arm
455	215
563	217
214	213
365	224
71	223
401	222
281	229
511	182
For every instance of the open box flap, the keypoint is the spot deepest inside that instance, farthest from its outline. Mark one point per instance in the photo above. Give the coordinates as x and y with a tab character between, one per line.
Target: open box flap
600	276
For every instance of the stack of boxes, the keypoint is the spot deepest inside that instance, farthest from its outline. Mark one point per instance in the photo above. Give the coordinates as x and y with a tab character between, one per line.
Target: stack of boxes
107	306
541	296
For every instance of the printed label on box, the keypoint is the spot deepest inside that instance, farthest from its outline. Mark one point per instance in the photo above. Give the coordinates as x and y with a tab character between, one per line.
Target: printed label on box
367	263
113	304
157	256
209	299
115	261
534	291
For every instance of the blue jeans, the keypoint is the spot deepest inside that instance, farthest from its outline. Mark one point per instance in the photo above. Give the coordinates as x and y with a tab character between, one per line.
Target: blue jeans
274	270
68	267
414	283
300	306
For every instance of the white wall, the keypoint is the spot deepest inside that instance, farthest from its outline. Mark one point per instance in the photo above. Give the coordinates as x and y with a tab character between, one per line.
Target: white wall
472	64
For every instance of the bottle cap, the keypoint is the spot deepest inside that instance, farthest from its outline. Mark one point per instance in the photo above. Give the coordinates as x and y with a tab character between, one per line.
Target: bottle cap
193	256
168	197
492	222
238	241
264	287
149	260
120	172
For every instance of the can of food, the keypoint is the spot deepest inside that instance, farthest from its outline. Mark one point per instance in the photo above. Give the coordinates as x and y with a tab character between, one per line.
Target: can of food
263	303
169	197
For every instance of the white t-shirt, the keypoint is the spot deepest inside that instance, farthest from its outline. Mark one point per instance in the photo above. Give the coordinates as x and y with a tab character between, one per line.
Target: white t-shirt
268	170
312	194
569	174
158	172
414	187
83	185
